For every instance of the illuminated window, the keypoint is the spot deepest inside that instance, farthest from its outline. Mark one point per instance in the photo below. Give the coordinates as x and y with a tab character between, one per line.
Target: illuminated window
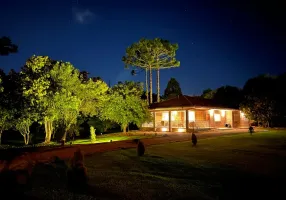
223	113
178	119
174	115
165	116
211	112
217	117
191	116
162	119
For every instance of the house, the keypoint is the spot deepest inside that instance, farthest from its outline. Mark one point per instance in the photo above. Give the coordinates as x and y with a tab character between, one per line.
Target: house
186	113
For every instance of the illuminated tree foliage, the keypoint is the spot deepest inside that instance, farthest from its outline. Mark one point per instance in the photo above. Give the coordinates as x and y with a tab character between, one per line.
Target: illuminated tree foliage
58	92
6	117
125	105
149	55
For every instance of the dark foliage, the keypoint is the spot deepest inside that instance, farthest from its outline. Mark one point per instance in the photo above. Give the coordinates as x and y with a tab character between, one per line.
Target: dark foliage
173	89
14	183
7	47
77	180
194	139
140	148
251	130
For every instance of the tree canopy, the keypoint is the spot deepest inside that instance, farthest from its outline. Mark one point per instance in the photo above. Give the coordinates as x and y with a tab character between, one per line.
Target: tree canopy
125	105
149	55
173	89
7	47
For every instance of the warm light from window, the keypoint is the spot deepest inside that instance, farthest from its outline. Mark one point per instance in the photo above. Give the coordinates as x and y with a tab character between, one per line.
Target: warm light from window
217	117
211	112
174	115
191	116
223	113
181	130
242	114
165	116
164	129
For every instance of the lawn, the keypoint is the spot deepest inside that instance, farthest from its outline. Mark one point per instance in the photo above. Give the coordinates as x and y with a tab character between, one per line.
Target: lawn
99	139
226	167
114	137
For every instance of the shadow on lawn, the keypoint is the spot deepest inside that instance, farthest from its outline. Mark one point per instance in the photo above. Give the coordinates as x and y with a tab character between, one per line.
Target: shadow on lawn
208	181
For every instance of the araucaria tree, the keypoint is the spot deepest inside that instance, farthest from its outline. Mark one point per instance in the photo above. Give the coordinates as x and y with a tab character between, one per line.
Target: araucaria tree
151	55
125	105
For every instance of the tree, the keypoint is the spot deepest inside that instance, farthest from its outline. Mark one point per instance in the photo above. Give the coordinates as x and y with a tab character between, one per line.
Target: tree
40	89
6	114
57	90
173	89
125	105
208	93
259	99
149	55
23	126
228	96
6	117
7	47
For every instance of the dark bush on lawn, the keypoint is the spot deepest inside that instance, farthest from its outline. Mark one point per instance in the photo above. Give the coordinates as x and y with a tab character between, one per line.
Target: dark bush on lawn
77	174
194	139
140	148
136	141
14	183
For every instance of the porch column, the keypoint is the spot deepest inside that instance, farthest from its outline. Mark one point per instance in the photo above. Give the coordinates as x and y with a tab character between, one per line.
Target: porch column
154	126
170	127
187	121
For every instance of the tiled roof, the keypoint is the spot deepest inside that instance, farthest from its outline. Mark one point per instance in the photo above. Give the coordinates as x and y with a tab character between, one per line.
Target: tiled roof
186	101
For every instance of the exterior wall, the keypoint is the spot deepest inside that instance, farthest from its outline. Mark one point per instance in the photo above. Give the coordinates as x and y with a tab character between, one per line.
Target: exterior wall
244	122
236	119
239	120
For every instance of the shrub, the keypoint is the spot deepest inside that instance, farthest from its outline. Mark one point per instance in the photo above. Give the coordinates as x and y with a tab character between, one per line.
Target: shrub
92	134
77	173
140	148
251	130
14	183
194	139
136	141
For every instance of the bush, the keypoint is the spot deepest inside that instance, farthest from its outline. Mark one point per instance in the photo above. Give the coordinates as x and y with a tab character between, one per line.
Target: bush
14	183
77	173
140	148
194	139
92	134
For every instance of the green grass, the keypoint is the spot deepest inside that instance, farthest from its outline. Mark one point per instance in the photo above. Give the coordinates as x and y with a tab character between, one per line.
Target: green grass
228	167
113	136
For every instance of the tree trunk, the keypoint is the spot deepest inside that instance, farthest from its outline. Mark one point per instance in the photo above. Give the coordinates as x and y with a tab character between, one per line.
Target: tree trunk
124	128
64	136
151	84
146	85
158	85
26	138
48	130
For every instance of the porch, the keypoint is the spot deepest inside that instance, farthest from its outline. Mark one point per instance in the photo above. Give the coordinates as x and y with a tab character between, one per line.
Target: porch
188	120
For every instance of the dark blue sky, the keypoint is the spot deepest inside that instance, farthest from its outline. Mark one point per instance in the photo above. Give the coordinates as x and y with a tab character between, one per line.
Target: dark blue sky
219	43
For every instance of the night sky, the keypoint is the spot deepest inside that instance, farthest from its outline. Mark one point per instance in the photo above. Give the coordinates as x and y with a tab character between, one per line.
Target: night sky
219	43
